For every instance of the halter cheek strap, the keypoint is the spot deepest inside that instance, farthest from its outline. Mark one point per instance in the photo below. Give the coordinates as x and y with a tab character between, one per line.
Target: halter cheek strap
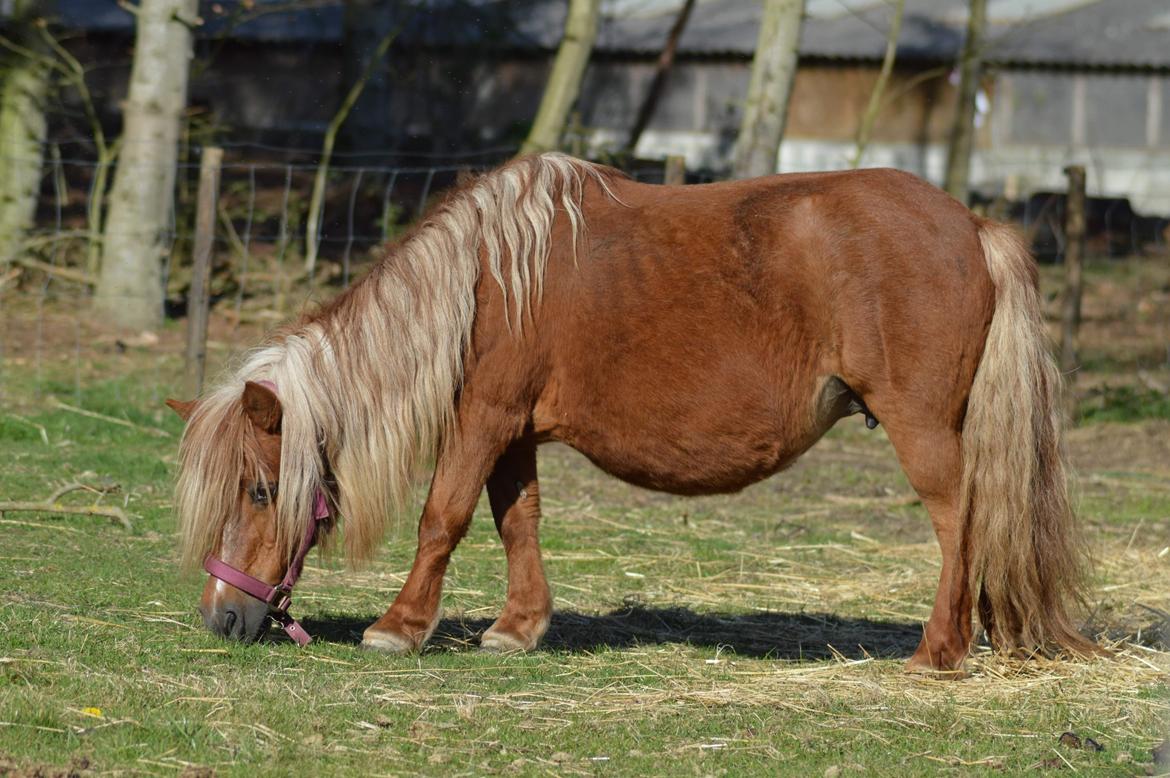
278	598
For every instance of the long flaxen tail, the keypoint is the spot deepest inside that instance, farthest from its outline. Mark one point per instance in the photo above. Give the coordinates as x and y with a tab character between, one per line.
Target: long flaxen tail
1027	562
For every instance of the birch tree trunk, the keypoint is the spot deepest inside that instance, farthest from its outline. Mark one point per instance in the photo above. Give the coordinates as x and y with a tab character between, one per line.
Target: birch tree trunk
963	130
129	288
564	82
766	109
22	129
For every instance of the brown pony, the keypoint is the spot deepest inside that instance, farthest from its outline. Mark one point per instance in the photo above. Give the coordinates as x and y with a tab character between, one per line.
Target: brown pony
688	339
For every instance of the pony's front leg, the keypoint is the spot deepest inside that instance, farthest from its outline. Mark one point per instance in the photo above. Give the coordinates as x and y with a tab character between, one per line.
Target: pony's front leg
515	498
462	468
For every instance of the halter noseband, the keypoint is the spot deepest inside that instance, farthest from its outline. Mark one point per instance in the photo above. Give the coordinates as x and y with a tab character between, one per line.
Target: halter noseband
278	598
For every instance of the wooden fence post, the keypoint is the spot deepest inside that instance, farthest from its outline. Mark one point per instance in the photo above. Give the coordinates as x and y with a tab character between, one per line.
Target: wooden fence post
199	297
675	173
1074	250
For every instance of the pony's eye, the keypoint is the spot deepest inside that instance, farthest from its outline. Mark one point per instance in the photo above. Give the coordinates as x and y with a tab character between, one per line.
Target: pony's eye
262	495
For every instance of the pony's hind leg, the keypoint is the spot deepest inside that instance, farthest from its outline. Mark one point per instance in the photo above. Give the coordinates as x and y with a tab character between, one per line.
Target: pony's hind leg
515	499
462	468
930	455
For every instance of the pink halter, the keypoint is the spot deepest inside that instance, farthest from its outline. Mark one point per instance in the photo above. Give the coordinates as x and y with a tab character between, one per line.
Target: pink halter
279	597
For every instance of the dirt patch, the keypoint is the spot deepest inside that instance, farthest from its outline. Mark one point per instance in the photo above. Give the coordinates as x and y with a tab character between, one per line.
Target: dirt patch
1143	447
77	768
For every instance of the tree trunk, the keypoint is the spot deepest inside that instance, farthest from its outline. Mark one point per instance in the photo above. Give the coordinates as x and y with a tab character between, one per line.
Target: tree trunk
963	131
564	82
661	71
766	109
129	288
22	130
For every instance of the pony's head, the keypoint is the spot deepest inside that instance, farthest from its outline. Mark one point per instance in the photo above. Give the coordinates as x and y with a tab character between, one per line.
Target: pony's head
227	499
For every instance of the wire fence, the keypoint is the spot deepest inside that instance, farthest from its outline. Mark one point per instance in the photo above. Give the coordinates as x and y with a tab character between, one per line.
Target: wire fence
263	203
264	196
1113	228
258	251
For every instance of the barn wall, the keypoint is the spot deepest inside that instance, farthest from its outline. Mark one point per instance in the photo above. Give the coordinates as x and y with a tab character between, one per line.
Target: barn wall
245	92
1097	110
460	102
258	90
827	102
1115	124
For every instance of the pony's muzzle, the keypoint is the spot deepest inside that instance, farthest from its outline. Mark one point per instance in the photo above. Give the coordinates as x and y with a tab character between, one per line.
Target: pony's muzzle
231	614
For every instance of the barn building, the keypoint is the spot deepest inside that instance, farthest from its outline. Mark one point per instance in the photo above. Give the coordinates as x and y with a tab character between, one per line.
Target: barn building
1085	81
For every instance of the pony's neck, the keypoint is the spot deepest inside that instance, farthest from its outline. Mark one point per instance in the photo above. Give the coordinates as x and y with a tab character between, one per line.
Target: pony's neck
367	385
371	380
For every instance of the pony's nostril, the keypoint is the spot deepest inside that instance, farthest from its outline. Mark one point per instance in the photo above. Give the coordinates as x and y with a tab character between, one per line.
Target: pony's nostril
230	617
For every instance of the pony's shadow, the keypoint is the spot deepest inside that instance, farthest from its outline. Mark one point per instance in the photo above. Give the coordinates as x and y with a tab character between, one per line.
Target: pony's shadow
788	636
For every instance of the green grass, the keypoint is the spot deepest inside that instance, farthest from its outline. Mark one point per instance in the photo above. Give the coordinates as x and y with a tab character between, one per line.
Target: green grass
757	634
1124	403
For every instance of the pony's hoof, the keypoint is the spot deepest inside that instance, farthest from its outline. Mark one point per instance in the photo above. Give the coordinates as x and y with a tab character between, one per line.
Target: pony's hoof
387	642
503	643
925	670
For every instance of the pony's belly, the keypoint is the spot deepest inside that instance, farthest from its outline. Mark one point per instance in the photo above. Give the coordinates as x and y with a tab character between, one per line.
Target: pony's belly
681	456
717	470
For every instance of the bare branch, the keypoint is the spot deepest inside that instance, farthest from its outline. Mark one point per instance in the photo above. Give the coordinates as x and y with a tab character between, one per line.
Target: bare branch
77	486
69	274
153	431
316	199
48	506
875	98
661	71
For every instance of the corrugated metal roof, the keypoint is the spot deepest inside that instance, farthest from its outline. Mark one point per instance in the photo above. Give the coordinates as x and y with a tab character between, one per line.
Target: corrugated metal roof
260	22
1104	33
1095	33
510	23
1118	33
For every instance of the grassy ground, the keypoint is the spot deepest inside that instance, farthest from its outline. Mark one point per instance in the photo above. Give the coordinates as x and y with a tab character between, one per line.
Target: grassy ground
762	633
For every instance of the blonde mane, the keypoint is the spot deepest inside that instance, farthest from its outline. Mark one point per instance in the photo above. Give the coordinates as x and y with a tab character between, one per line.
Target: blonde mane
368	385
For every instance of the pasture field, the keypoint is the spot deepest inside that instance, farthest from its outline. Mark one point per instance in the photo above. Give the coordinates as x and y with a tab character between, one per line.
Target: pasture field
755	634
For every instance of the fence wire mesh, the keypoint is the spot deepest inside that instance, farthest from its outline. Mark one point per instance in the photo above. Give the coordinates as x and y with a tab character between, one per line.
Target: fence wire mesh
264	196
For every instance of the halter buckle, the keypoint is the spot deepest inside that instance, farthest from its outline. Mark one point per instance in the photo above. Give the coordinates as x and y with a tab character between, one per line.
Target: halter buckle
281	599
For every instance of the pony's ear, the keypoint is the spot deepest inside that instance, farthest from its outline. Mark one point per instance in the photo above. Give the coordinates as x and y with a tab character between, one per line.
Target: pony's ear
182	407
464	176
262	407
